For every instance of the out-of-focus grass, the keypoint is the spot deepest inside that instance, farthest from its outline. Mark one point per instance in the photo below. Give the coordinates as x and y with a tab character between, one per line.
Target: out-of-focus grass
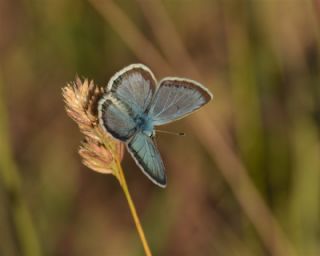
260	59
13	198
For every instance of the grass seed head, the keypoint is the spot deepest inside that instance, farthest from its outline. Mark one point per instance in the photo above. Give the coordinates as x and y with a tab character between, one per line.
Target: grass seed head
99	151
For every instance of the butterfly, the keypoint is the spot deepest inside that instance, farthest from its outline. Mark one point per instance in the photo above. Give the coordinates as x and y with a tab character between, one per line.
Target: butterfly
134	103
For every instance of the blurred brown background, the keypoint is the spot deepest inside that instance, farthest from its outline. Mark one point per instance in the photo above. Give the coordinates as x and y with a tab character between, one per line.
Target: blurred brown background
244	181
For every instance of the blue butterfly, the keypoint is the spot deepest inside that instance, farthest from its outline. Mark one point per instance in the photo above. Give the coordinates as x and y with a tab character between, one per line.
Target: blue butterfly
134	103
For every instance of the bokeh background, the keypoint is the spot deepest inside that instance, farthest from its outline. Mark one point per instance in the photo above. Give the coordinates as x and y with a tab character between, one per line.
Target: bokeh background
244	181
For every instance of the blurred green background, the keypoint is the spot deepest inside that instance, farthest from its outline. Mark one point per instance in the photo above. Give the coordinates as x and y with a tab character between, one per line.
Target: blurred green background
244	181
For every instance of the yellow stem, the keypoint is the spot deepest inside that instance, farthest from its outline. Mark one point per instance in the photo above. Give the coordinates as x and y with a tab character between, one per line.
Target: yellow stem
118	172
123	183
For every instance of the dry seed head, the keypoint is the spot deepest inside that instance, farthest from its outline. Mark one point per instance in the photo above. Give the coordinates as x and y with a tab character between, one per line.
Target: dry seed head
99	150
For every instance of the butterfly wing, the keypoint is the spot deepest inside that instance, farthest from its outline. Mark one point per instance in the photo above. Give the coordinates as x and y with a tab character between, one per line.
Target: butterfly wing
134	86
146	155
176	98
128	94
116	118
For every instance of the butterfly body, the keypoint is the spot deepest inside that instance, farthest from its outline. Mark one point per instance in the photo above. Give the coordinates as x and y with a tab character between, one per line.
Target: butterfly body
134	103
144	124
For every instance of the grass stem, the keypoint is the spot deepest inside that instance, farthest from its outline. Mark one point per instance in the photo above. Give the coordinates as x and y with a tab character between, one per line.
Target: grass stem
120	176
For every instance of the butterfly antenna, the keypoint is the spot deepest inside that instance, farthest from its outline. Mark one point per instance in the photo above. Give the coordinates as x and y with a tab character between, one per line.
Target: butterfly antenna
172	133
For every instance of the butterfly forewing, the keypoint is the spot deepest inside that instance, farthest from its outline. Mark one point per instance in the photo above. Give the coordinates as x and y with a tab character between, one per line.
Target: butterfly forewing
133	86
176	98
146	155
129	93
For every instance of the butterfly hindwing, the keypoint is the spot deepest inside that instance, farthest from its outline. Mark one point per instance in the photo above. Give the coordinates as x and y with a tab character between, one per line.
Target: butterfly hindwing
116	118
145	153
176	98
